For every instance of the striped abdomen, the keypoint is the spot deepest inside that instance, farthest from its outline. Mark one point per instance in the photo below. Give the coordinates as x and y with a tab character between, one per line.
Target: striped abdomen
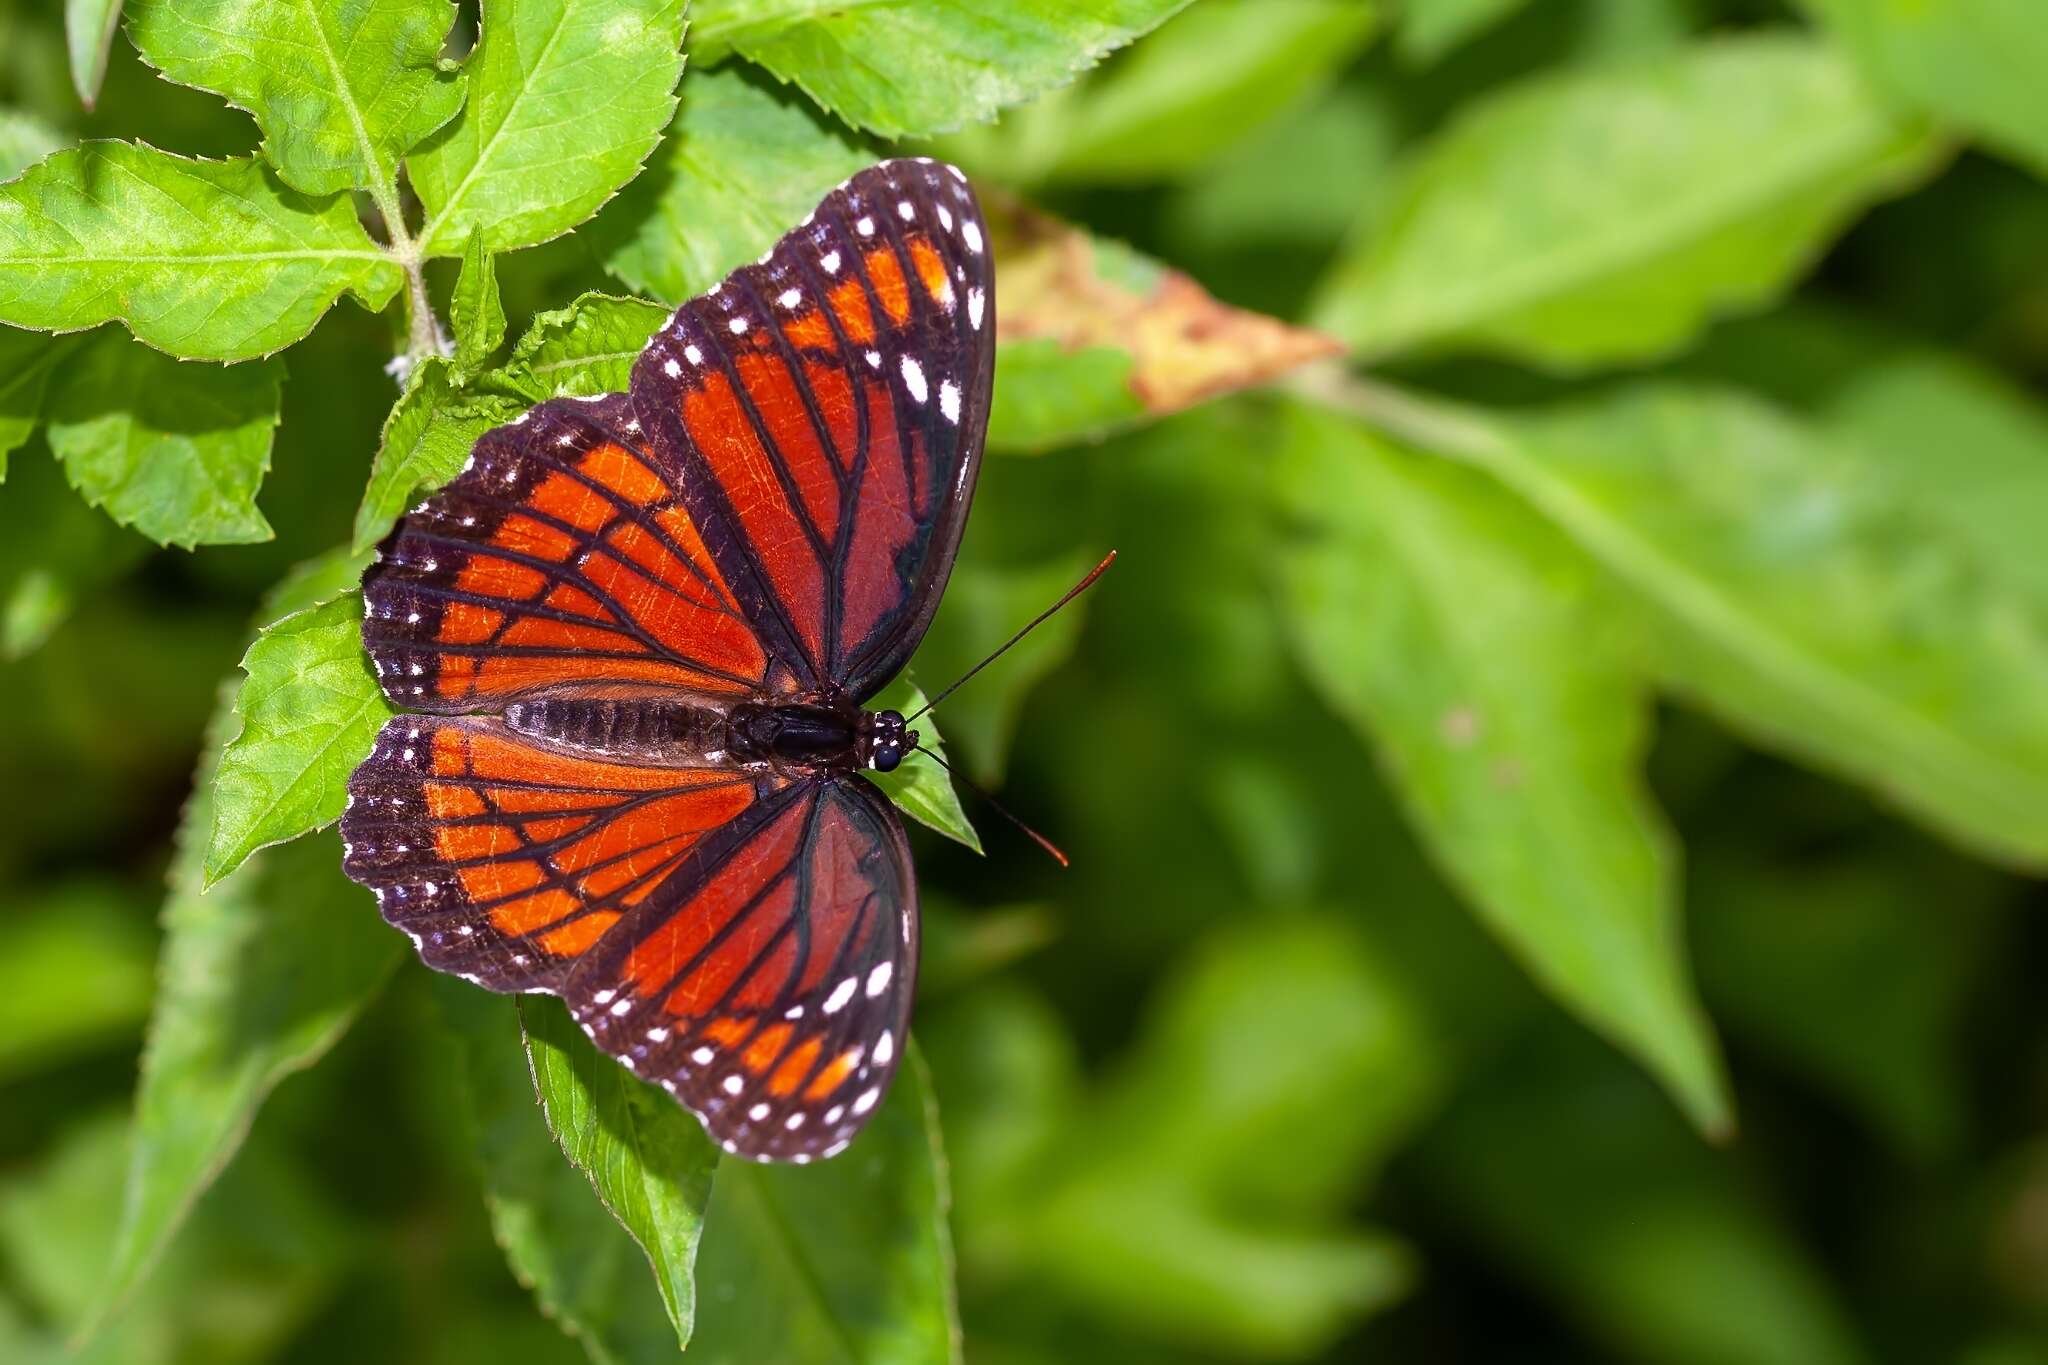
650	727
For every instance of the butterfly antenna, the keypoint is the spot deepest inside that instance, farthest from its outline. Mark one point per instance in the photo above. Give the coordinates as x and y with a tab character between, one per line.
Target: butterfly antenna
1048	845
1071	593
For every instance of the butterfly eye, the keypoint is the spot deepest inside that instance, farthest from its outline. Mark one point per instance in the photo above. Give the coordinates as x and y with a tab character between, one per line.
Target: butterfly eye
886	756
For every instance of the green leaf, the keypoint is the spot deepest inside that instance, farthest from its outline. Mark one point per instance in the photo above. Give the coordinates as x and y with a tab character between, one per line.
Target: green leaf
89	27
310	710
426	439
1605	213
586	1272
1801	599
258	979
842	1261
920	787
1048	395
23	142
1471	646
1431	29
1576	1180
175	450
58	937
566	100
646	1156
584	349
1200	1203
905	70
476	311
210	260
1974	64
743	162
26	359
1209	79
341	90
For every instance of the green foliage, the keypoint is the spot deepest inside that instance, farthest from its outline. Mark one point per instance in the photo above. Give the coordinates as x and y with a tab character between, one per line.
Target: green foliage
648	1160
176	450
207	260
842	1261
310	710
949	62
500	168
89	27
1970	63
1625	636
340	91
1547	225
1472	646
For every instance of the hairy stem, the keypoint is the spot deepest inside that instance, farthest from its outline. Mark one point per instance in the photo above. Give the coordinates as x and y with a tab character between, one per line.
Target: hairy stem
424	336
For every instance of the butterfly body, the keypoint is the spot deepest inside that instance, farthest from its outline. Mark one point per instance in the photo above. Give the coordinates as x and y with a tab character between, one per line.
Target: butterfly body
636	636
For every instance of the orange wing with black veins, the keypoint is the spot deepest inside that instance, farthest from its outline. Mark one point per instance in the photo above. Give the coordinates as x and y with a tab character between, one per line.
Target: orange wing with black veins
562	554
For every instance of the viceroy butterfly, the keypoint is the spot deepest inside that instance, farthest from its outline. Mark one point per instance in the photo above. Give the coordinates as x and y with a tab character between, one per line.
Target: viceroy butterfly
637	633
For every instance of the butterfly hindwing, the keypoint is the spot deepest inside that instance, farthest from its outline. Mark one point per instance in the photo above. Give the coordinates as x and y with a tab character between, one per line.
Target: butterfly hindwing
507	860
768	986
827	407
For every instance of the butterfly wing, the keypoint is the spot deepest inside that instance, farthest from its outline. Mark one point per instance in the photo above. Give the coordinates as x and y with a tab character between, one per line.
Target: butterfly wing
768	987
562	554
827	407
747	941
507	861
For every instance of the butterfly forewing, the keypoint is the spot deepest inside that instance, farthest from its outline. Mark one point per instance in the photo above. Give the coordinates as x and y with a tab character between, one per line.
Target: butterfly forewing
827	407
768	516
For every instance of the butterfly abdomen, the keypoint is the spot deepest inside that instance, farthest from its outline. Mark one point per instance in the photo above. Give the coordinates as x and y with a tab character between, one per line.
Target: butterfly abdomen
653	727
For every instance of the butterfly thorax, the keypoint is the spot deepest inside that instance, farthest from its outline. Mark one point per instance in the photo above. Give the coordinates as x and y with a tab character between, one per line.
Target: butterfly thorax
812	735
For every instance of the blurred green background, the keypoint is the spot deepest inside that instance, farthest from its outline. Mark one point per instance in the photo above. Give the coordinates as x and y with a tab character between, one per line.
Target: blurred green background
1554	796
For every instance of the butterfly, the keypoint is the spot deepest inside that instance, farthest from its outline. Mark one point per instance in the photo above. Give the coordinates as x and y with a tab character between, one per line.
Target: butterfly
636	635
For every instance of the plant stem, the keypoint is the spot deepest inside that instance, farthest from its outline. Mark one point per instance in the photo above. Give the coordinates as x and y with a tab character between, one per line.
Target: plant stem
424	335
1438	428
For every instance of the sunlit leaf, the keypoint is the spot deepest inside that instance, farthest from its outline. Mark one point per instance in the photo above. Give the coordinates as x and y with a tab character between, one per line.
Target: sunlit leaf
1974	64
175	450
476	312
1093	336
566	100
586	348
901	70
1799	597
1606	212
209	260
645	1155
1476	652
341	90
258	979
843	1260
585	1270
743	162
310	710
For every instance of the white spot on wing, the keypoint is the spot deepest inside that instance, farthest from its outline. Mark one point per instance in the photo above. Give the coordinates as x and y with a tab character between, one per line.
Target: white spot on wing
841	993
970	232
866	1101
885	1048
913	379
974	306
949	401
738	326
671	369
790	298
878	979
830	260
733	1084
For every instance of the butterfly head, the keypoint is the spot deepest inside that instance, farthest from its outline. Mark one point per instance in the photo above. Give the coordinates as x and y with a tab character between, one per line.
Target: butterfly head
884	740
